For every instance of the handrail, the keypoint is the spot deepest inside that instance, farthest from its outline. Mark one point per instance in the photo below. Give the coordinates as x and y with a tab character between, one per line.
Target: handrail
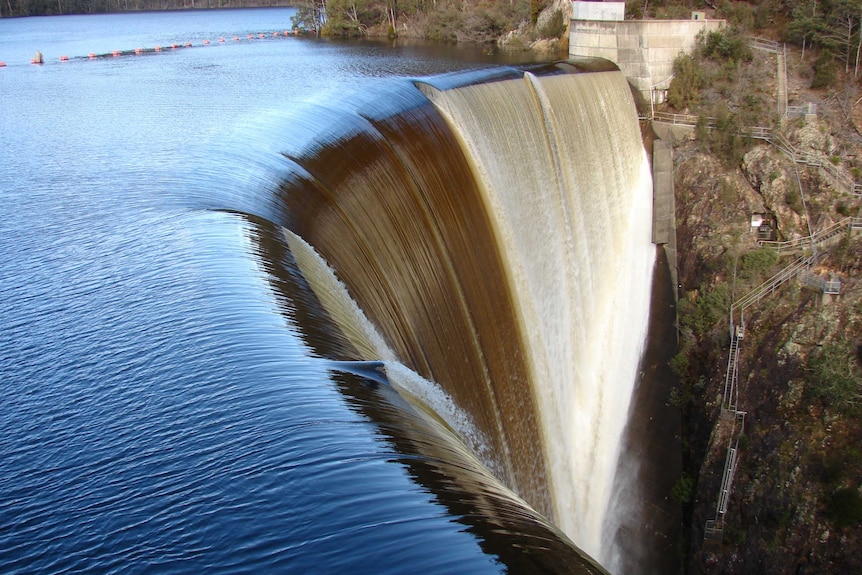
764	44
766	287
813	240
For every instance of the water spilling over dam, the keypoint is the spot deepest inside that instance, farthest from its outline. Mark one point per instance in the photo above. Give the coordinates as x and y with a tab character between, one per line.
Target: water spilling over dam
499	241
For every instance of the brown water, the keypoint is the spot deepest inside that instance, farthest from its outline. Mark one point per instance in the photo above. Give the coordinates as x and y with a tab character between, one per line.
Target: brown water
499	242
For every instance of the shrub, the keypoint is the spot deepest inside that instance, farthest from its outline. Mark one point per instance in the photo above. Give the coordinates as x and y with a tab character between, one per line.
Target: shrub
725	45
725	140
844	507
679	363
836	376
825	70
686	83
756	263
702	314
683	490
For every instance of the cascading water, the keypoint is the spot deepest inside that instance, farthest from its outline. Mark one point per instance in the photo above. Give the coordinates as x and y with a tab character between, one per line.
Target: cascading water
187	388
497	237
564	171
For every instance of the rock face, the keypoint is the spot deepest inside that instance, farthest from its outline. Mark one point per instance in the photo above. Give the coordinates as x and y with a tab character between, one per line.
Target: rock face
773	177
533	38
793	503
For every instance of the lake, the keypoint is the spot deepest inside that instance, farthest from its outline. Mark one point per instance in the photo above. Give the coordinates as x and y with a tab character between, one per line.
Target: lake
169	398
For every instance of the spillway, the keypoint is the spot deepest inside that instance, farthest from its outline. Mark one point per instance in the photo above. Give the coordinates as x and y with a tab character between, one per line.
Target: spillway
494	231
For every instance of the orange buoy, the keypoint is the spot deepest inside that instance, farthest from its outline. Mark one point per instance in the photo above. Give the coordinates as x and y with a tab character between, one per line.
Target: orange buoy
236	38
261	35
115	53
206	42
138	50
2	64
221	40
173	46
158	48
275	34
188	44
91	55
64	58
37	59
250	37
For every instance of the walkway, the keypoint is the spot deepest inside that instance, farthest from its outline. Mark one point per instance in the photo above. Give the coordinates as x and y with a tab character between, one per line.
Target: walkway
731	416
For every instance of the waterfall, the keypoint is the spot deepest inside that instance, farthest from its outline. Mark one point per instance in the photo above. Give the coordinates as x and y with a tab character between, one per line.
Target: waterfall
495	231
564	174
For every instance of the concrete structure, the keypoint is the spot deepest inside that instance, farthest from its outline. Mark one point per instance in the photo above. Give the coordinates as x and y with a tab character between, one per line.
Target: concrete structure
644	50
663	207
610	11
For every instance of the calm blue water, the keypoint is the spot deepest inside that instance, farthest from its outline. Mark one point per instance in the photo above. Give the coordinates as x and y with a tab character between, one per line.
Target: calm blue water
163	409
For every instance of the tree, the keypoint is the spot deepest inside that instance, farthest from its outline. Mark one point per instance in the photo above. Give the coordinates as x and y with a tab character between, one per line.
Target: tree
687	80
310	14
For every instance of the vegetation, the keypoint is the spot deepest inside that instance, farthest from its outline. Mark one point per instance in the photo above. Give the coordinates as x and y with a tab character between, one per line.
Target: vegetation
703	313
444	20
836	377
844	507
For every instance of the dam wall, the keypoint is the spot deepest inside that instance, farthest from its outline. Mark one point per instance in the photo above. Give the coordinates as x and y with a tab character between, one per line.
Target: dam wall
644	50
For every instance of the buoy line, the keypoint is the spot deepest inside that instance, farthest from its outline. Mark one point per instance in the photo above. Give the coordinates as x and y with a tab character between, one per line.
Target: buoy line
39	58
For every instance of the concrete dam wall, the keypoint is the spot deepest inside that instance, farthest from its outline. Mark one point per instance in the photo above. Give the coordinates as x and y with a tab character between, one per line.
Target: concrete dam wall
644	50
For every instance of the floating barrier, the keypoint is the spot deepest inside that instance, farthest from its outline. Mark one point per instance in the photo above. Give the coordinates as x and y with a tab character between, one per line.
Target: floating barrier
39	59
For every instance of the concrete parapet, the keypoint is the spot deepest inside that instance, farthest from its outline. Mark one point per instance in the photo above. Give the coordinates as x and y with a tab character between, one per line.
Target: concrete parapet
664	210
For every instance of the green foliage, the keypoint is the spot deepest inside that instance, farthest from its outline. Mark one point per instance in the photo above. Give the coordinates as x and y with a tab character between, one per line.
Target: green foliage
825	70
687	80
679	363
724	45
702	314
754	265
634	10
725	139
683	490
836	376
844	507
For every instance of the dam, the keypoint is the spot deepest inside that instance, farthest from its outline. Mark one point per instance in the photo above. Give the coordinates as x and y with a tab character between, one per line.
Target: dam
320	307
496	231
